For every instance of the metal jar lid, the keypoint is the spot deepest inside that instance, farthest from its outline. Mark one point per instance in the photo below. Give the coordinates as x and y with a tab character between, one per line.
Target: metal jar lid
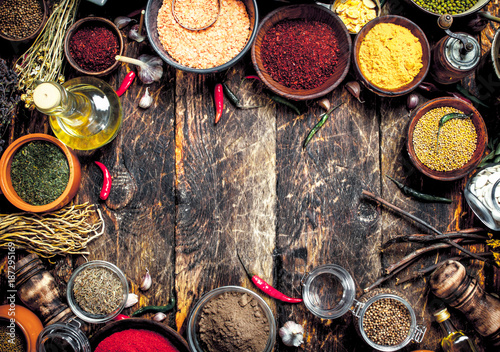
459	58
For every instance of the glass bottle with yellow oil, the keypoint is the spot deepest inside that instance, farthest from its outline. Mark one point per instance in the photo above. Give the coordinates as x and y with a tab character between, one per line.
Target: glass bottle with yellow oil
84	113
454	340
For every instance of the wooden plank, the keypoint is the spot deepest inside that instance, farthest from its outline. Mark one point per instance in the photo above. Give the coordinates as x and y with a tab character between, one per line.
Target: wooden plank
225	190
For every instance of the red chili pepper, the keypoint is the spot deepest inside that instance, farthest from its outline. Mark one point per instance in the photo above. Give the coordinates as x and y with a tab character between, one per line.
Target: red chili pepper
252	77
121	317
127	81
219	102
106	184
268	289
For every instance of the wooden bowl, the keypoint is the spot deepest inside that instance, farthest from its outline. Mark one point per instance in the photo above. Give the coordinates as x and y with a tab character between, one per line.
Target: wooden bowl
140	324
88	21
6	182
426	55
308	12
151	20
45	10
482	138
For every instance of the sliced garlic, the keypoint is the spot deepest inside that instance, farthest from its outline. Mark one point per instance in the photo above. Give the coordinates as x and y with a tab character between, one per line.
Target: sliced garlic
370	4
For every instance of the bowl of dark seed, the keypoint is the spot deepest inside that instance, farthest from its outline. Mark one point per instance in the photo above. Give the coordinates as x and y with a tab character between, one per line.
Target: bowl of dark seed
91	45
22	20
447	138
387	322
97	291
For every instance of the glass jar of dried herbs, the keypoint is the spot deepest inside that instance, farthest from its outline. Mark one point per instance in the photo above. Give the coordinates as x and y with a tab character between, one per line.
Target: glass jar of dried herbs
97	291
39	172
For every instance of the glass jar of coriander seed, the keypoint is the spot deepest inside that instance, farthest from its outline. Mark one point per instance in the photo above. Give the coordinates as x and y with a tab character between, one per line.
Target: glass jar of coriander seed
384	319
483	195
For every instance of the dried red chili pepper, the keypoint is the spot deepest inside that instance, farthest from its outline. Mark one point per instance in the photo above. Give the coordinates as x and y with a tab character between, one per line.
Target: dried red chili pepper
121	317
219	102
268	289
106	184
127	81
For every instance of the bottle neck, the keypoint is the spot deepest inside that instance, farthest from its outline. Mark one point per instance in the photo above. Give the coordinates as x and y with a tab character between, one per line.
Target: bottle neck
447	327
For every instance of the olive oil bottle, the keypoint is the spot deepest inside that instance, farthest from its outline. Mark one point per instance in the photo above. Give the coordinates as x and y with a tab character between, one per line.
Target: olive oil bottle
84	113
454	340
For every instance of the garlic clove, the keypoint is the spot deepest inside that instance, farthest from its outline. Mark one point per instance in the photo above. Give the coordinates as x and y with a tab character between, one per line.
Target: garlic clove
146	279
159	317
135	35
132	299
292	334
146	99
122	21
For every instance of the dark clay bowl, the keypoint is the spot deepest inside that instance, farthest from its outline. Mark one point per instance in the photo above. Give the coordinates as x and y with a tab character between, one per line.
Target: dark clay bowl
45	10
312	13
139	324
482	138
151	20
89	21
426	55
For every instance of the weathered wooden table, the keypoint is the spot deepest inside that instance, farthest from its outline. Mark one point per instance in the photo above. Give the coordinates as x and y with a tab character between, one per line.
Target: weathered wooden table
188	195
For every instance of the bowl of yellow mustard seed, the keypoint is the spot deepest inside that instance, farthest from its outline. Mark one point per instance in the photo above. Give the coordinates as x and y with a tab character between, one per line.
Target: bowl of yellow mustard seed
447	138
391	55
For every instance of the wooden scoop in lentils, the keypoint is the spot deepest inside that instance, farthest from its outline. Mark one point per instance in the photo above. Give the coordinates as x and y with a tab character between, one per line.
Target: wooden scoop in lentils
387	322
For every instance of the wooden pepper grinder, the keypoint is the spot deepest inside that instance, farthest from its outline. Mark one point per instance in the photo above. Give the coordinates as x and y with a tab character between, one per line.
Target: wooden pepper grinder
451	283
37	290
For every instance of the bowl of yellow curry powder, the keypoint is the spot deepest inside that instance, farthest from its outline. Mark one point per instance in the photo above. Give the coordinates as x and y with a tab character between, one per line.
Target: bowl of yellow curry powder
391	55
447	138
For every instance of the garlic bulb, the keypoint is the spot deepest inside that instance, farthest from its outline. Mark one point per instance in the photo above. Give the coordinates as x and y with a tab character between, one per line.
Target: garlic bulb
146	100
132	299
292	334
146	279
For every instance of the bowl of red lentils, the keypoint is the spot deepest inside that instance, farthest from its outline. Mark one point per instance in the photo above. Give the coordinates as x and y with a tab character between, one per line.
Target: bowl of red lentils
228	37
302	52
447	138
91	45
22	20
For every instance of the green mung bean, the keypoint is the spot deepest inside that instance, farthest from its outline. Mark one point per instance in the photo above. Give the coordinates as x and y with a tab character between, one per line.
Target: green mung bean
455	147
452	7
387	322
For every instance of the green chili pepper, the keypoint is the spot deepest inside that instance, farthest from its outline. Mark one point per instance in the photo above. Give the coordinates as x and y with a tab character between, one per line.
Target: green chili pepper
234	99
155	309
285	102
466	93
321	122
448	117
413	193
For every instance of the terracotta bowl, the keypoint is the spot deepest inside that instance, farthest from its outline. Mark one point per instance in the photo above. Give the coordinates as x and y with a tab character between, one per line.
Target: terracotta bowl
27	324
309	12
45	10
141	324
482	138
89	21
6	182
426	55
151	20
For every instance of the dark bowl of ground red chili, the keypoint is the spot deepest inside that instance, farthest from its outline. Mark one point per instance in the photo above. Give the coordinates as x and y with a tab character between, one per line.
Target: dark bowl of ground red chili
137	334
302	52
91	45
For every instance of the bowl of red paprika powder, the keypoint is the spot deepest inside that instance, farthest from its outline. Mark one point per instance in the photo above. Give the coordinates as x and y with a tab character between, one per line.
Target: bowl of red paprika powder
302	52
137	334
91	45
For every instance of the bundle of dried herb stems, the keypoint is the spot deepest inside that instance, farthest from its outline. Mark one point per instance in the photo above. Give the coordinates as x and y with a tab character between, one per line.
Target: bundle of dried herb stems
65	231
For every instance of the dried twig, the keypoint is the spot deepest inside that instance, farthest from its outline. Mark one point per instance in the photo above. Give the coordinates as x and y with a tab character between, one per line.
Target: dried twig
472	233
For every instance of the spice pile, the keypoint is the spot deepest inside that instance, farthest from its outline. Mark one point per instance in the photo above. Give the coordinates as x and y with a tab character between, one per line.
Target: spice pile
300	54
39	172
233	322
390	56
135	340
98	290
94	47
456	145
210	47
20	18
195	13
9	343
387	322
